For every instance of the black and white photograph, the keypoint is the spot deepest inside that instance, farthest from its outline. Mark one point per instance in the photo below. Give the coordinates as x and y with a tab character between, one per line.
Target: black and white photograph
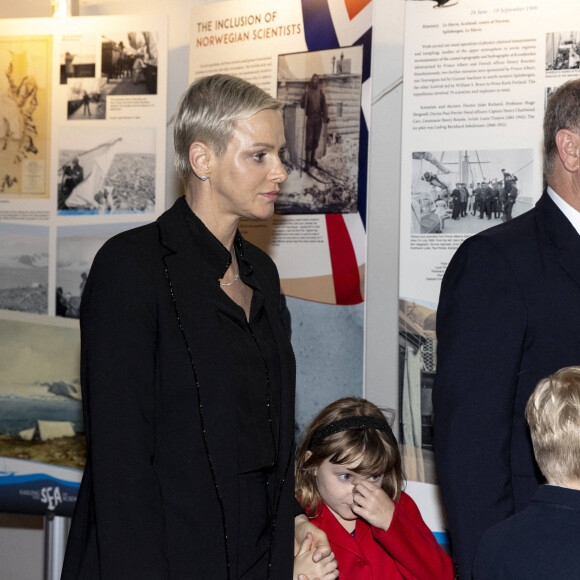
106	170
24	268
562	50
465	192
77	57
129	63
321	92
86	99
76	247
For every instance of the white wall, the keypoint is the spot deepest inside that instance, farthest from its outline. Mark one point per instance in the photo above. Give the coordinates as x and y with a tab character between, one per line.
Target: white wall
21	537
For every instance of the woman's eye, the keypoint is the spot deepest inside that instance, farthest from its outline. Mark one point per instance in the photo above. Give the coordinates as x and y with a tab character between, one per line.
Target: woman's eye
344	476
374	478
259	156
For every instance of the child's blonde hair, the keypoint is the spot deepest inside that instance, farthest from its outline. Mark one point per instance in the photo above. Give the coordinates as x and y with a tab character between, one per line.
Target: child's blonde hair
376	449
553	414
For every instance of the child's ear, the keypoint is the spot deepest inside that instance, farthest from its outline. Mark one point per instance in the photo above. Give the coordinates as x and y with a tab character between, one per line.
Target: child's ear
307	456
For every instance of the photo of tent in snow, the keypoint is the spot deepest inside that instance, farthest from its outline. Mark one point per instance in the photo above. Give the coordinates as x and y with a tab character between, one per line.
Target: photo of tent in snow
40	405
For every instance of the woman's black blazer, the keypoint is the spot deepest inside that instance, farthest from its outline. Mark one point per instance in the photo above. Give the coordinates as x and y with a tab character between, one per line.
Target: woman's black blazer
159	496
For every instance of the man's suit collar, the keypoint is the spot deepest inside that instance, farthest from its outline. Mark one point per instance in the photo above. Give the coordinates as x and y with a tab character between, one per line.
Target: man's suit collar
554	494
555	226
571	213
561	238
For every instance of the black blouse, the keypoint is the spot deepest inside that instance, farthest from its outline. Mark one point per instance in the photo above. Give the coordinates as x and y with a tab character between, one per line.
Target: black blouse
254	358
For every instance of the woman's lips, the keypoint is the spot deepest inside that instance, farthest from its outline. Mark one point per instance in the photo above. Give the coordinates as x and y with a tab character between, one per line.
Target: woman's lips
273	195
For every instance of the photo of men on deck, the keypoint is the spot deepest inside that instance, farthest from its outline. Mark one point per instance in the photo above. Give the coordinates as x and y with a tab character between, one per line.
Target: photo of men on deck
465	192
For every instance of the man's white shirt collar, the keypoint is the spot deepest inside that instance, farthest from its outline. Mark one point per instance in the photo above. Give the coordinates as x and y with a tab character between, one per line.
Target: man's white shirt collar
572	214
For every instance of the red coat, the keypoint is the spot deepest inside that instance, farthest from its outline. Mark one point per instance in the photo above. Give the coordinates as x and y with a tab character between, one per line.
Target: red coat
406	550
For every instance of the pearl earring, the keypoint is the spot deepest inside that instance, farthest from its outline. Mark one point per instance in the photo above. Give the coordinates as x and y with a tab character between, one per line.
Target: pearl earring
203	177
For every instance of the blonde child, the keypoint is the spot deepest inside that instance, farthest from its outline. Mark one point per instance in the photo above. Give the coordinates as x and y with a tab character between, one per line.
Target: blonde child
349	480
541	541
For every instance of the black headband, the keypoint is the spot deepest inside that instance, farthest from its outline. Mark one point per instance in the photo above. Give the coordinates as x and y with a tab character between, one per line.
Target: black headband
349	424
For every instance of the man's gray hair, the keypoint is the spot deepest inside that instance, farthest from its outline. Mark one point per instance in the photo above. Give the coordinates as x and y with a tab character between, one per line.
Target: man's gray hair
562	112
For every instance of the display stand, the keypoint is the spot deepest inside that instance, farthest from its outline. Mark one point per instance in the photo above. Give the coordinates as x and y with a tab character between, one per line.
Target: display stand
55	534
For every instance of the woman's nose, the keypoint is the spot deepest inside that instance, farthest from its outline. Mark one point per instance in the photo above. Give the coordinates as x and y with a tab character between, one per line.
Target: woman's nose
280	173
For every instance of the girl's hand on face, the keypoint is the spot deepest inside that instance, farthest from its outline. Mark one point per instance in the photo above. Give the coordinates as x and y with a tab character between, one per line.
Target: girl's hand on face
372	504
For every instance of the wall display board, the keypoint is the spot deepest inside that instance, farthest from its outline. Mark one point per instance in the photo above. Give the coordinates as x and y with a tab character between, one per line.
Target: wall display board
317	236
476	81
82	157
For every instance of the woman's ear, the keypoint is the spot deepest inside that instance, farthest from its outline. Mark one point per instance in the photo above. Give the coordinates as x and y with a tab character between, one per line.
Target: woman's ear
199	156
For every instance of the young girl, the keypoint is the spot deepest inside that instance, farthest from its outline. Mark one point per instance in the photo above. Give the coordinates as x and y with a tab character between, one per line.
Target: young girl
349	480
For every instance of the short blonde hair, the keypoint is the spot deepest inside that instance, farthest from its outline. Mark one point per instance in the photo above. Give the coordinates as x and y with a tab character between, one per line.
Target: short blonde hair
553	414
377	450
208	112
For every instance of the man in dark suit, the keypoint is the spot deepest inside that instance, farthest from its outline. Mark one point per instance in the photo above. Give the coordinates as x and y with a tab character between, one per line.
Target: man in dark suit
510	201
313	102
463	195
495	203
456	197
477	197
542	540
485	205
508	315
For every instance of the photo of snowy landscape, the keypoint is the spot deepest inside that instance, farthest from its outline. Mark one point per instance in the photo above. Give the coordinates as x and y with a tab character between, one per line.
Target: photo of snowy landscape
23	268
40	404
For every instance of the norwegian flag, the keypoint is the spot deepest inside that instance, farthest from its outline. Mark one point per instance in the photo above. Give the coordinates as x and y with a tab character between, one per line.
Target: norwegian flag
333	24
